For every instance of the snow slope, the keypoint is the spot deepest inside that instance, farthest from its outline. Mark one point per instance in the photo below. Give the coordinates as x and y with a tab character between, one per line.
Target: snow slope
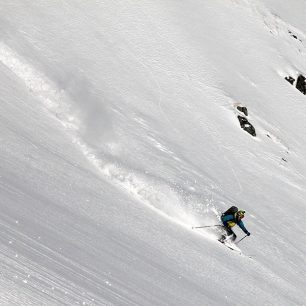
119	132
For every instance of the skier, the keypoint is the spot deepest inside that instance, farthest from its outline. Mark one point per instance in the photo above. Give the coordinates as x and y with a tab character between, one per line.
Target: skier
230	218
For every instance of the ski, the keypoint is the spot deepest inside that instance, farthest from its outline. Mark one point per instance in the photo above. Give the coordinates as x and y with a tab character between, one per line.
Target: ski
237	250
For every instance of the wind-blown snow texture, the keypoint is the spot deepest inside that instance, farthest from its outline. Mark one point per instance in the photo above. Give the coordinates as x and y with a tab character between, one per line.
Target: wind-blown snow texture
119	133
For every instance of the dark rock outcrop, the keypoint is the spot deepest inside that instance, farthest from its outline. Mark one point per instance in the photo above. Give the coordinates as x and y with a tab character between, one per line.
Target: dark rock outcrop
301	84
294	36
243	109
290	79
246	125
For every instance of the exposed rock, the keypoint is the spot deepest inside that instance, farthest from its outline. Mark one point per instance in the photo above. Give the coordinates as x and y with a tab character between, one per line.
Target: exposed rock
243	109
294	36
301	84
290	79
246	125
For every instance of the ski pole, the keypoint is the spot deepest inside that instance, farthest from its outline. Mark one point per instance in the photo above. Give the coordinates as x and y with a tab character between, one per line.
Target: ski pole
241	239
207	226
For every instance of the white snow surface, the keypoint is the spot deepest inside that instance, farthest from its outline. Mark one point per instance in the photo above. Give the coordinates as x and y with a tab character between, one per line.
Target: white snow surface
119	132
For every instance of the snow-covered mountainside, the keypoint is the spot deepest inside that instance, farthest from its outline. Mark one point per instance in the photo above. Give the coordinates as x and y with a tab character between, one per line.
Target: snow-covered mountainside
119	132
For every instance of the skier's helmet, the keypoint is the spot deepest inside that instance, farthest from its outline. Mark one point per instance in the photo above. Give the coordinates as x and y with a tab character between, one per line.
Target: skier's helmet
241	213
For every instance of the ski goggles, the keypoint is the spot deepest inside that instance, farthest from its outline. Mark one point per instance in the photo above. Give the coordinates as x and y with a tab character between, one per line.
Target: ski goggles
241	213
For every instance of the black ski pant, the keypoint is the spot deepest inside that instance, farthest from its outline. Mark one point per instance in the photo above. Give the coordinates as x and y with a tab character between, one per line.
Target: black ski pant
230	233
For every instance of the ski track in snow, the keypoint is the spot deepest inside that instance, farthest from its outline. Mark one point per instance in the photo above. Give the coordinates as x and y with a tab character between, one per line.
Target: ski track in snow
157	195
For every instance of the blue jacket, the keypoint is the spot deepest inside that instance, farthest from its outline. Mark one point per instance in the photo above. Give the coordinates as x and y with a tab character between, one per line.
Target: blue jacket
231	220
